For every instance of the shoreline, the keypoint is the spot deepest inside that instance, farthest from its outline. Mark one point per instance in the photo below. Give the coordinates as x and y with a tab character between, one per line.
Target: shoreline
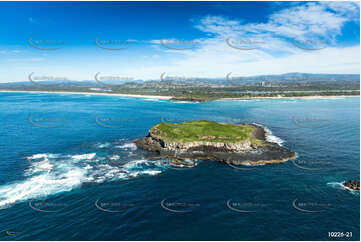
92	93
302	97
170	97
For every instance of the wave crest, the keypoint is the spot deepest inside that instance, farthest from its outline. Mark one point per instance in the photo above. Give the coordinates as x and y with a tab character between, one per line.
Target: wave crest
49	174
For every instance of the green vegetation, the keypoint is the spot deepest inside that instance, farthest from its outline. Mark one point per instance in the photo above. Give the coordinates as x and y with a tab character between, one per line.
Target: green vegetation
203	130
204	94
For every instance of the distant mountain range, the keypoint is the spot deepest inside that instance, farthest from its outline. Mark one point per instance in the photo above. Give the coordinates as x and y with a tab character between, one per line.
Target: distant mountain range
229	80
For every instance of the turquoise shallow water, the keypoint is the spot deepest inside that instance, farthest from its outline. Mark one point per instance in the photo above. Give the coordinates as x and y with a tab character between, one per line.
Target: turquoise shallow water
69	171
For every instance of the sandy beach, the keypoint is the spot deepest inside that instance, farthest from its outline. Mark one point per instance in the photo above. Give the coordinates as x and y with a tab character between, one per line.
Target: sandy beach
169	97
95	93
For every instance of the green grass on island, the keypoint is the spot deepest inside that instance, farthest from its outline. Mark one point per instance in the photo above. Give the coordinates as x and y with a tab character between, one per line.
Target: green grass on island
203	130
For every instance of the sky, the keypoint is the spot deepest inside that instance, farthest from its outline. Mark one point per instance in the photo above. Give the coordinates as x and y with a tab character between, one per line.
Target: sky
143	40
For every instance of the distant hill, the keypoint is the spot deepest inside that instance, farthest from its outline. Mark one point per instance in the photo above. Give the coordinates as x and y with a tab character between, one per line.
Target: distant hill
287	79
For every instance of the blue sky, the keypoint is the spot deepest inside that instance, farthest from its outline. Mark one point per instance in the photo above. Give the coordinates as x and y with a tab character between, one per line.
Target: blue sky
142	40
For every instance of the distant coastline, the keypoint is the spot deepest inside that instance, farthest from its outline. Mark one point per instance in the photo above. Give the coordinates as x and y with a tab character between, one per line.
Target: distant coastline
170	97
301	97
94	93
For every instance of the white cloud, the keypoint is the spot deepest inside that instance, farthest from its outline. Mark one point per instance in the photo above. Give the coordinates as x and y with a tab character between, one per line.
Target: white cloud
322	19
328	60
313	21
212	57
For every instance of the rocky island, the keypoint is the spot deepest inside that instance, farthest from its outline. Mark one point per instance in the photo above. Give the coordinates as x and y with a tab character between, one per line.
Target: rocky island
239	144
352	184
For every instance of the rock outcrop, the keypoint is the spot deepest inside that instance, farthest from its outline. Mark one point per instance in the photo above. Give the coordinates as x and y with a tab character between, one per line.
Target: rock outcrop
352	184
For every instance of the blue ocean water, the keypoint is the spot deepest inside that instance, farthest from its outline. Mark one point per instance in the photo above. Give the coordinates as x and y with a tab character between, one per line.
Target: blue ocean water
69	171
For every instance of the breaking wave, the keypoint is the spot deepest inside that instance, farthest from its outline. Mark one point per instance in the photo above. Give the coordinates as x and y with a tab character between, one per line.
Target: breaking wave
49	174
270	137
127	146
340	185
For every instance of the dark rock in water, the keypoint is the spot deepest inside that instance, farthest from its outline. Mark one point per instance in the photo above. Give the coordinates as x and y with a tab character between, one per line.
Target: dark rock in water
352	184
179	162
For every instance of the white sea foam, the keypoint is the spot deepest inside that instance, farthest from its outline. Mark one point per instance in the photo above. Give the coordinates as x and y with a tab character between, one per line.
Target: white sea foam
49	174
153	99
84	156
88	167
40	165
249	164
183	102
105	145
114	157
131	146
340	185
145	172
337	185
270	137
151	172
41	185
135	164
41	156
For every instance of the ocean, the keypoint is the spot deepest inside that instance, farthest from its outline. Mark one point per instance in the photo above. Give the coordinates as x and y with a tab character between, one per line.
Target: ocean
70	171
